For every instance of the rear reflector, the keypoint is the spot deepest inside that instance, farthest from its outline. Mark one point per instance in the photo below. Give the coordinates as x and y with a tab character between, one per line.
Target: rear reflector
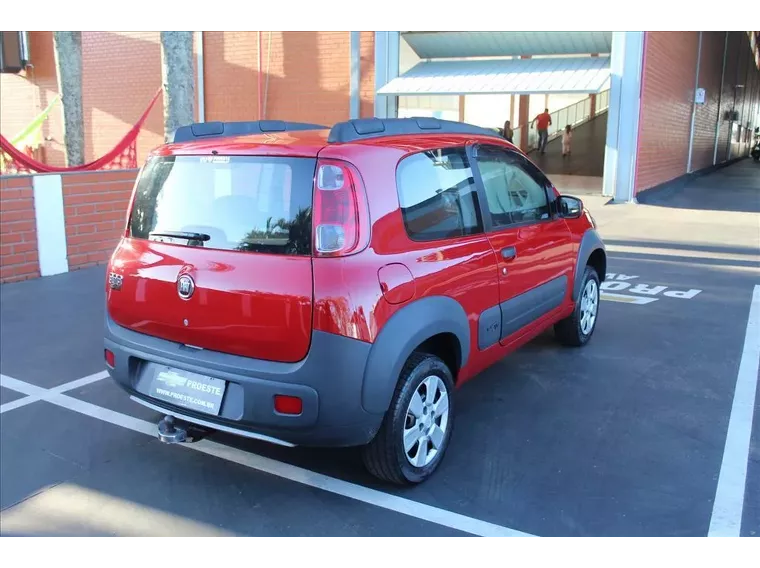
287	404
110	359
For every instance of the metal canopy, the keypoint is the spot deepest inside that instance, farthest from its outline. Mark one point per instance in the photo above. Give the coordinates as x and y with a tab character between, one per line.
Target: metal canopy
576	75
437	45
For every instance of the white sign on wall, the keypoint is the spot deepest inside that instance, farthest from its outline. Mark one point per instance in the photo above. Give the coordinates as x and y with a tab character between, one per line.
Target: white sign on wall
699	96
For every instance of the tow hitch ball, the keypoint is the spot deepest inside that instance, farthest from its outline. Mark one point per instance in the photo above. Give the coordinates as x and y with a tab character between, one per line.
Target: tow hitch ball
170	431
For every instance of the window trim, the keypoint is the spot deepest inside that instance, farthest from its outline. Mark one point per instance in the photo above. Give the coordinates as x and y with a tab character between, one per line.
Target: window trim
472	150
478	231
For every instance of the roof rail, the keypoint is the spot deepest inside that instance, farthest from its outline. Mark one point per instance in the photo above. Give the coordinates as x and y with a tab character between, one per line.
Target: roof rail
203	130
365	128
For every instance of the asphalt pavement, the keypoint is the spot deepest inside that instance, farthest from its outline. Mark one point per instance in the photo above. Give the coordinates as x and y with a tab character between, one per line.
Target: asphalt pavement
625	437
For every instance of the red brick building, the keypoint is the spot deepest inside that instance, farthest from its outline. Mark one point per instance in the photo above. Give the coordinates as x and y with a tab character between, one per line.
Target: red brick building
304	77
659	125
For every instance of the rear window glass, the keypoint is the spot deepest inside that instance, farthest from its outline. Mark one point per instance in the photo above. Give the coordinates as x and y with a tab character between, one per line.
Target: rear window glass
242	203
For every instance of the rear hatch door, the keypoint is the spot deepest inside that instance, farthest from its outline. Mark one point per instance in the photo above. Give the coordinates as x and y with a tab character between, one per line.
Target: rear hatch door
218	255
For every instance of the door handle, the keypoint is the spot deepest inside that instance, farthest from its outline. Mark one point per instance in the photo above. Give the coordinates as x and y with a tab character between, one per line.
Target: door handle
508	253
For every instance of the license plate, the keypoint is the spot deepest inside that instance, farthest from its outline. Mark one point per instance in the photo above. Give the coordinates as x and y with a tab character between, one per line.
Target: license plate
189	390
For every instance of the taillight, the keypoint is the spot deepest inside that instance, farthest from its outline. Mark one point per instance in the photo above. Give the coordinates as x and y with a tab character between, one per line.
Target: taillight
340	210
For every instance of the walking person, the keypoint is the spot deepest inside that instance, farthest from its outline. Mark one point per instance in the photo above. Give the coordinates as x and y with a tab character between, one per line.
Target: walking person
508	132
567	138
543	121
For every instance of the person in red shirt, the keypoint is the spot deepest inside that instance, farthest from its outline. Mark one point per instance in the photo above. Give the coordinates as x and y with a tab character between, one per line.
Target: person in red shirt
544	120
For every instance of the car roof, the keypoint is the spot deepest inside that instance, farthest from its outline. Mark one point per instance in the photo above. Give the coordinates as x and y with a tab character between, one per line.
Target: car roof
308	140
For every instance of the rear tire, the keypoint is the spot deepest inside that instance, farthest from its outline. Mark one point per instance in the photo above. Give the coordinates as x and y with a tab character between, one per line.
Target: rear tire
416	430
576	330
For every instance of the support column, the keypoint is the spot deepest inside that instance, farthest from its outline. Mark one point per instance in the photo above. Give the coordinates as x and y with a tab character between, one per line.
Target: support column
201	79
592	98
626	69
523	120
354	75
524	117
386	69
461	108
68	61
178	80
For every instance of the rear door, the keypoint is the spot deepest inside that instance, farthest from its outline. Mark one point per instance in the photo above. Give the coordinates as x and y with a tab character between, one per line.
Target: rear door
218	255
533	245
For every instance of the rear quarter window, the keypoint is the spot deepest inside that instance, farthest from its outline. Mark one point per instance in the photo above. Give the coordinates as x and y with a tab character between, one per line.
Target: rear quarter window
240	203
437	195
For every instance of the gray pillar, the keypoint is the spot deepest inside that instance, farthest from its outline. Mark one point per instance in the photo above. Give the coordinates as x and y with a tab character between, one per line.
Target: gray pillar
68	61
178	80
386	69
623	116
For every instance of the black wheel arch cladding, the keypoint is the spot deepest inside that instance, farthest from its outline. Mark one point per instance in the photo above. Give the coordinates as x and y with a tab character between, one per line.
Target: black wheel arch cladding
408	328
590	243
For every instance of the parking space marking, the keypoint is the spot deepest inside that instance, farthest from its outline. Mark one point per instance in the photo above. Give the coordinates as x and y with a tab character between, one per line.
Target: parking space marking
637	292
729	496
35	393
267	465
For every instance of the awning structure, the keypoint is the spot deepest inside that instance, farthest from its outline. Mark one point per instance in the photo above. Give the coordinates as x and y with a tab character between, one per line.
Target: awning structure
442	45
544	75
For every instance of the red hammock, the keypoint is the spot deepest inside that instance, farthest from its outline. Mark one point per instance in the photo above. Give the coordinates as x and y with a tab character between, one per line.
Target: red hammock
123	156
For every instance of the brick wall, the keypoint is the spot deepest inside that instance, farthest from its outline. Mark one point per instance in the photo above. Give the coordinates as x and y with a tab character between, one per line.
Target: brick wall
121	72
18	233
95	208
367	84
670	60
25	95
308	81
707	115
305	75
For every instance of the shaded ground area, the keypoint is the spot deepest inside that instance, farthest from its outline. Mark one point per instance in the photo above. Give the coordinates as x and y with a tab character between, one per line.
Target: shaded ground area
738	189
587	157
622	437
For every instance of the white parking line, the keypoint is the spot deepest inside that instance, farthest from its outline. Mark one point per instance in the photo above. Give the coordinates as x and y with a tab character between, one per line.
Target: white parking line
260	463
727	511
35	393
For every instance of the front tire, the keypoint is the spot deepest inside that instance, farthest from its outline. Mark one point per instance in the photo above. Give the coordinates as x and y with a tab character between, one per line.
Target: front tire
577	329
417	428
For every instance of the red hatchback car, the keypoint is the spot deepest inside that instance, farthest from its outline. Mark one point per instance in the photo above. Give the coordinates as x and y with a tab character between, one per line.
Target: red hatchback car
320	286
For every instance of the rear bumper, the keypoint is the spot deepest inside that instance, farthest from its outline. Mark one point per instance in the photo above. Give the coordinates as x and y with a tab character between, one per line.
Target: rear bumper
328	381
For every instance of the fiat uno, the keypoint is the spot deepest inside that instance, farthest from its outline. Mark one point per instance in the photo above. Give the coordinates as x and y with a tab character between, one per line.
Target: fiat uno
317	286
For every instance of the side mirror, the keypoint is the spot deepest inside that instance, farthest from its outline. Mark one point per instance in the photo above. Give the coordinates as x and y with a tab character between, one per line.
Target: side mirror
570	207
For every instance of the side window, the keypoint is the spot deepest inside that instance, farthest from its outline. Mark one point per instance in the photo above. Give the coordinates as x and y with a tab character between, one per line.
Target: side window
513	195
437	194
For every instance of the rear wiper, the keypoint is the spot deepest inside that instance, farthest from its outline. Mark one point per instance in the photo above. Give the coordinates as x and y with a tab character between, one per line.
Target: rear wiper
182	235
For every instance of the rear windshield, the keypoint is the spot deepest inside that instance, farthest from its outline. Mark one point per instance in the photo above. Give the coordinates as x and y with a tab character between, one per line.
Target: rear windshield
242	203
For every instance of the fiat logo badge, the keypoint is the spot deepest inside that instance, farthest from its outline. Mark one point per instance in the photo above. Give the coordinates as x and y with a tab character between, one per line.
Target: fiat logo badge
185	287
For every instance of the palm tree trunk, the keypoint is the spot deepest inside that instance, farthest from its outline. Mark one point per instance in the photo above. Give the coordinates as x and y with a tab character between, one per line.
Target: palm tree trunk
178	80
68	61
